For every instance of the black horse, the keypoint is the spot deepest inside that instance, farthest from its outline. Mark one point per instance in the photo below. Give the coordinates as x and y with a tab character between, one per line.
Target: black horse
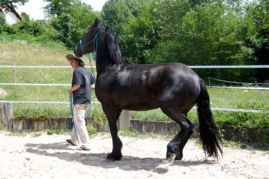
173	87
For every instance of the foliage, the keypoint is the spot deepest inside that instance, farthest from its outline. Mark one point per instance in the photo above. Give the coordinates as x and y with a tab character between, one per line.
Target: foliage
2	23
258	36
58	7
70	18
11	3
37	28
116	14
143	37
58	131
91	129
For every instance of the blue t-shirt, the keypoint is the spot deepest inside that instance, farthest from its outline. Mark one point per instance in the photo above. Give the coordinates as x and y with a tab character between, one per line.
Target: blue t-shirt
82	77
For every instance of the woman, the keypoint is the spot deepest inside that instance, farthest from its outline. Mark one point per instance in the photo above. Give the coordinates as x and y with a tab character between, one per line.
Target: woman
81	89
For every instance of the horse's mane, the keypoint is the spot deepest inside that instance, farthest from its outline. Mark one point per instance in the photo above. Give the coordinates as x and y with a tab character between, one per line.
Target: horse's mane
113	46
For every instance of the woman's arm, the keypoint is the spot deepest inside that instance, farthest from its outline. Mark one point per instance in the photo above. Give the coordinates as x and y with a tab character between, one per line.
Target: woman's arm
74	88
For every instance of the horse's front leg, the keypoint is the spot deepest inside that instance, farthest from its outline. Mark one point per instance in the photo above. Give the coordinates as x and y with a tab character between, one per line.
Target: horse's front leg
112	115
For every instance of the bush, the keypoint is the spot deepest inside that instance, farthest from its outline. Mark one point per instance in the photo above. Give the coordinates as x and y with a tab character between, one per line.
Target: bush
63	25
2	22
37	28
91	129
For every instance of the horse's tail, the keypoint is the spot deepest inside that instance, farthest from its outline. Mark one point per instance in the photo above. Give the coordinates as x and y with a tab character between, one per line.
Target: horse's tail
209	134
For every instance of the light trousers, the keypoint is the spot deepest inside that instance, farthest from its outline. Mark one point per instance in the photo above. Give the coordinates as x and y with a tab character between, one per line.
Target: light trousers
80	134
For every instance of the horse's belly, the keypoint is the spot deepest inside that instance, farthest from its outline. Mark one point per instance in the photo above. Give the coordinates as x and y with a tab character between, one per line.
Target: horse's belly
141	107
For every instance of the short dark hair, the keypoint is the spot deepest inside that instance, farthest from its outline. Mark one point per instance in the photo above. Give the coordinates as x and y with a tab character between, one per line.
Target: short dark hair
81	63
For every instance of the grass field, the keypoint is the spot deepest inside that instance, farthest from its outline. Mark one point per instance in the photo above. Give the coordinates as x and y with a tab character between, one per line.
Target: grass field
22	53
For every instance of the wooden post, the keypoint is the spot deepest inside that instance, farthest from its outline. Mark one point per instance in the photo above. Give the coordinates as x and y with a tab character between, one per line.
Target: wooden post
6	115
124	120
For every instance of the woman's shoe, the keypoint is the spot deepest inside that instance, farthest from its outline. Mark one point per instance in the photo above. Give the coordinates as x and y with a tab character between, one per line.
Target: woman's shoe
69	141
82	148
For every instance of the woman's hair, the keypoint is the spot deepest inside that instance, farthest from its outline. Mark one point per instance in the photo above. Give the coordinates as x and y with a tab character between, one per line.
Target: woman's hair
81	63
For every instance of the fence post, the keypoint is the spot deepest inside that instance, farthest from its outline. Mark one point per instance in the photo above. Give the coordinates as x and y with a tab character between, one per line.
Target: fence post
6	115
124	120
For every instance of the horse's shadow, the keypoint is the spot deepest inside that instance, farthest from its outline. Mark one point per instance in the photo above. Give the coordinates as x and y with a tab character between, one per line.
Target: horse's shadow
128	163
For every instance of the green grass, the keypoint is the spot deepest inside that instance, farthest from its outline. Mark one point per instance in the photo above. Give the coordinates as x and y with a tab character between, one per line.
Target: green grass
236	98
27	38
24	53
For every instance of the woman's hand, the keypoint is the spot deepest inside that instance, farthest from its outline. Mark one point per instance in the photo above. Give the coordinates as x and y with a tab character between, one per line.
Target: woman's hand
70	91
93	86
74	88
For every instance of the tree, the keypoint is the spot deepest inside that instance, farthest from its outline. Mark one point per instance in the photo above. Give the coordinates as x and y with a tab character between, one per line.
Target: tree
117	14
58	7
11	5
202	33
71	18
143	36
258	37
2	23
131	28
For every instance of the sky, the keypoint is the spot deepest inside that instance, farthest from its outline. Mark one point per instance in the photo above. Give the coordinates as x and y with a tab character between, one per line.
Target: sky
34	7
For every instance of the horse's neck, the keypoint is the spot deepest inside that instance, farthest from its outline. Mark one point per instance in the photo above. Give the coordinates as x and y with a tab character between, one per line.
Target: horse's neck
104	59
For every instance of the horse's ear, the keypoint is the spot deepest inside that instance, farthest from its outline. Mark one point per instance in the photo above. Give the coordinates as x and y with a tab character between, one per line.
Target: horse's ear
96	22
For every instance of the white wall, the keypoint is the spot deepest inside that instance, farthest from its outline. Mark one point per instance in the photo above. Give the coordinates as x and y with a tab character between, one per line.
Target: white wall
10	17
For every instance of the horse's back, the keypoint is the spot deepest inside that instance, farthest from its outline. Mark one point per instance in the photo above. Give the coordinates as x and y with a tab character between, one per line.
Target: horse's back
142	87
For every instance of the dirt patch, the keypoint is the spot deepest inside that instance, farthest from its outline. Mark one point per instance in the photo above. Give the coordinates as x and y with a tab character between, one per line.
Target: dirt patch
48	156
3	93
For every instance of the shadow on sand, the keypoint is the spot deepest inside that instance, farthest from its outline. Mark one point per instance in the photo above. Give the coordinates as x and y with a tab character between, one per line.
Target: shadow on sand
128	163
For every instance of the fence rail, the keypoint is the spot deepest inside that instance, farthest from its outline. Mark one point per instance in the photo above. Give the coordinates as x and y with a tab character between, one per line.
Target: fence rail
229	66
41	102
191	66
32	84
97	102
39	67
235	82
36	84
245	88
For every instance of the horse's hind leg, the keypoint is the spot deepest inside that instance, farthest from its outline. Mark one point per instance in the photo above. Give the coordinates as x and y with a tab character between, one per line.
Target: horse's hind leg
112	115
176	145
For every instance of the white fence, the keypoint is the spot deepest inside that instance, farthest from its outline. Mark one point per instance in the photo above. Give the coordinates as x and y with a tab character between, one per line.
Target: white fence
96	102
40	67
191	66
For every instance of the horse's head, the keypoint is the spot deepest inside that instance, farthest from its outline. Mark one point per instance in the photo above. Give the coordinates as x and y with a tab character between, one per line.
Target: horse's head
87	44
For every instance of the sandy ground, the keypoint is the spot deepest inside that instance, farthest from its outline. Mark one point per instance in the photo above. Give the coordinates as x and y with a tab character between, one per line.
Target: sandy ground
48	156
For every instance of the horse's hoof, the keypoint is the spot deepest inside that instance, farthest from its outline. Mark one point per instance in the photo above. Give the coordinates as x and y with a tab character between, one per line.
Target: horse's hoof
171	158
179	157
113	157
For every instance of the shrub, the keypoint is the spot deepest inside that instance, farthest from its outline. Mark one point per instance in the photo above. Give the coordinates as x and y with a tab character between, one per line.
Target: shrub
37	28
2	22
